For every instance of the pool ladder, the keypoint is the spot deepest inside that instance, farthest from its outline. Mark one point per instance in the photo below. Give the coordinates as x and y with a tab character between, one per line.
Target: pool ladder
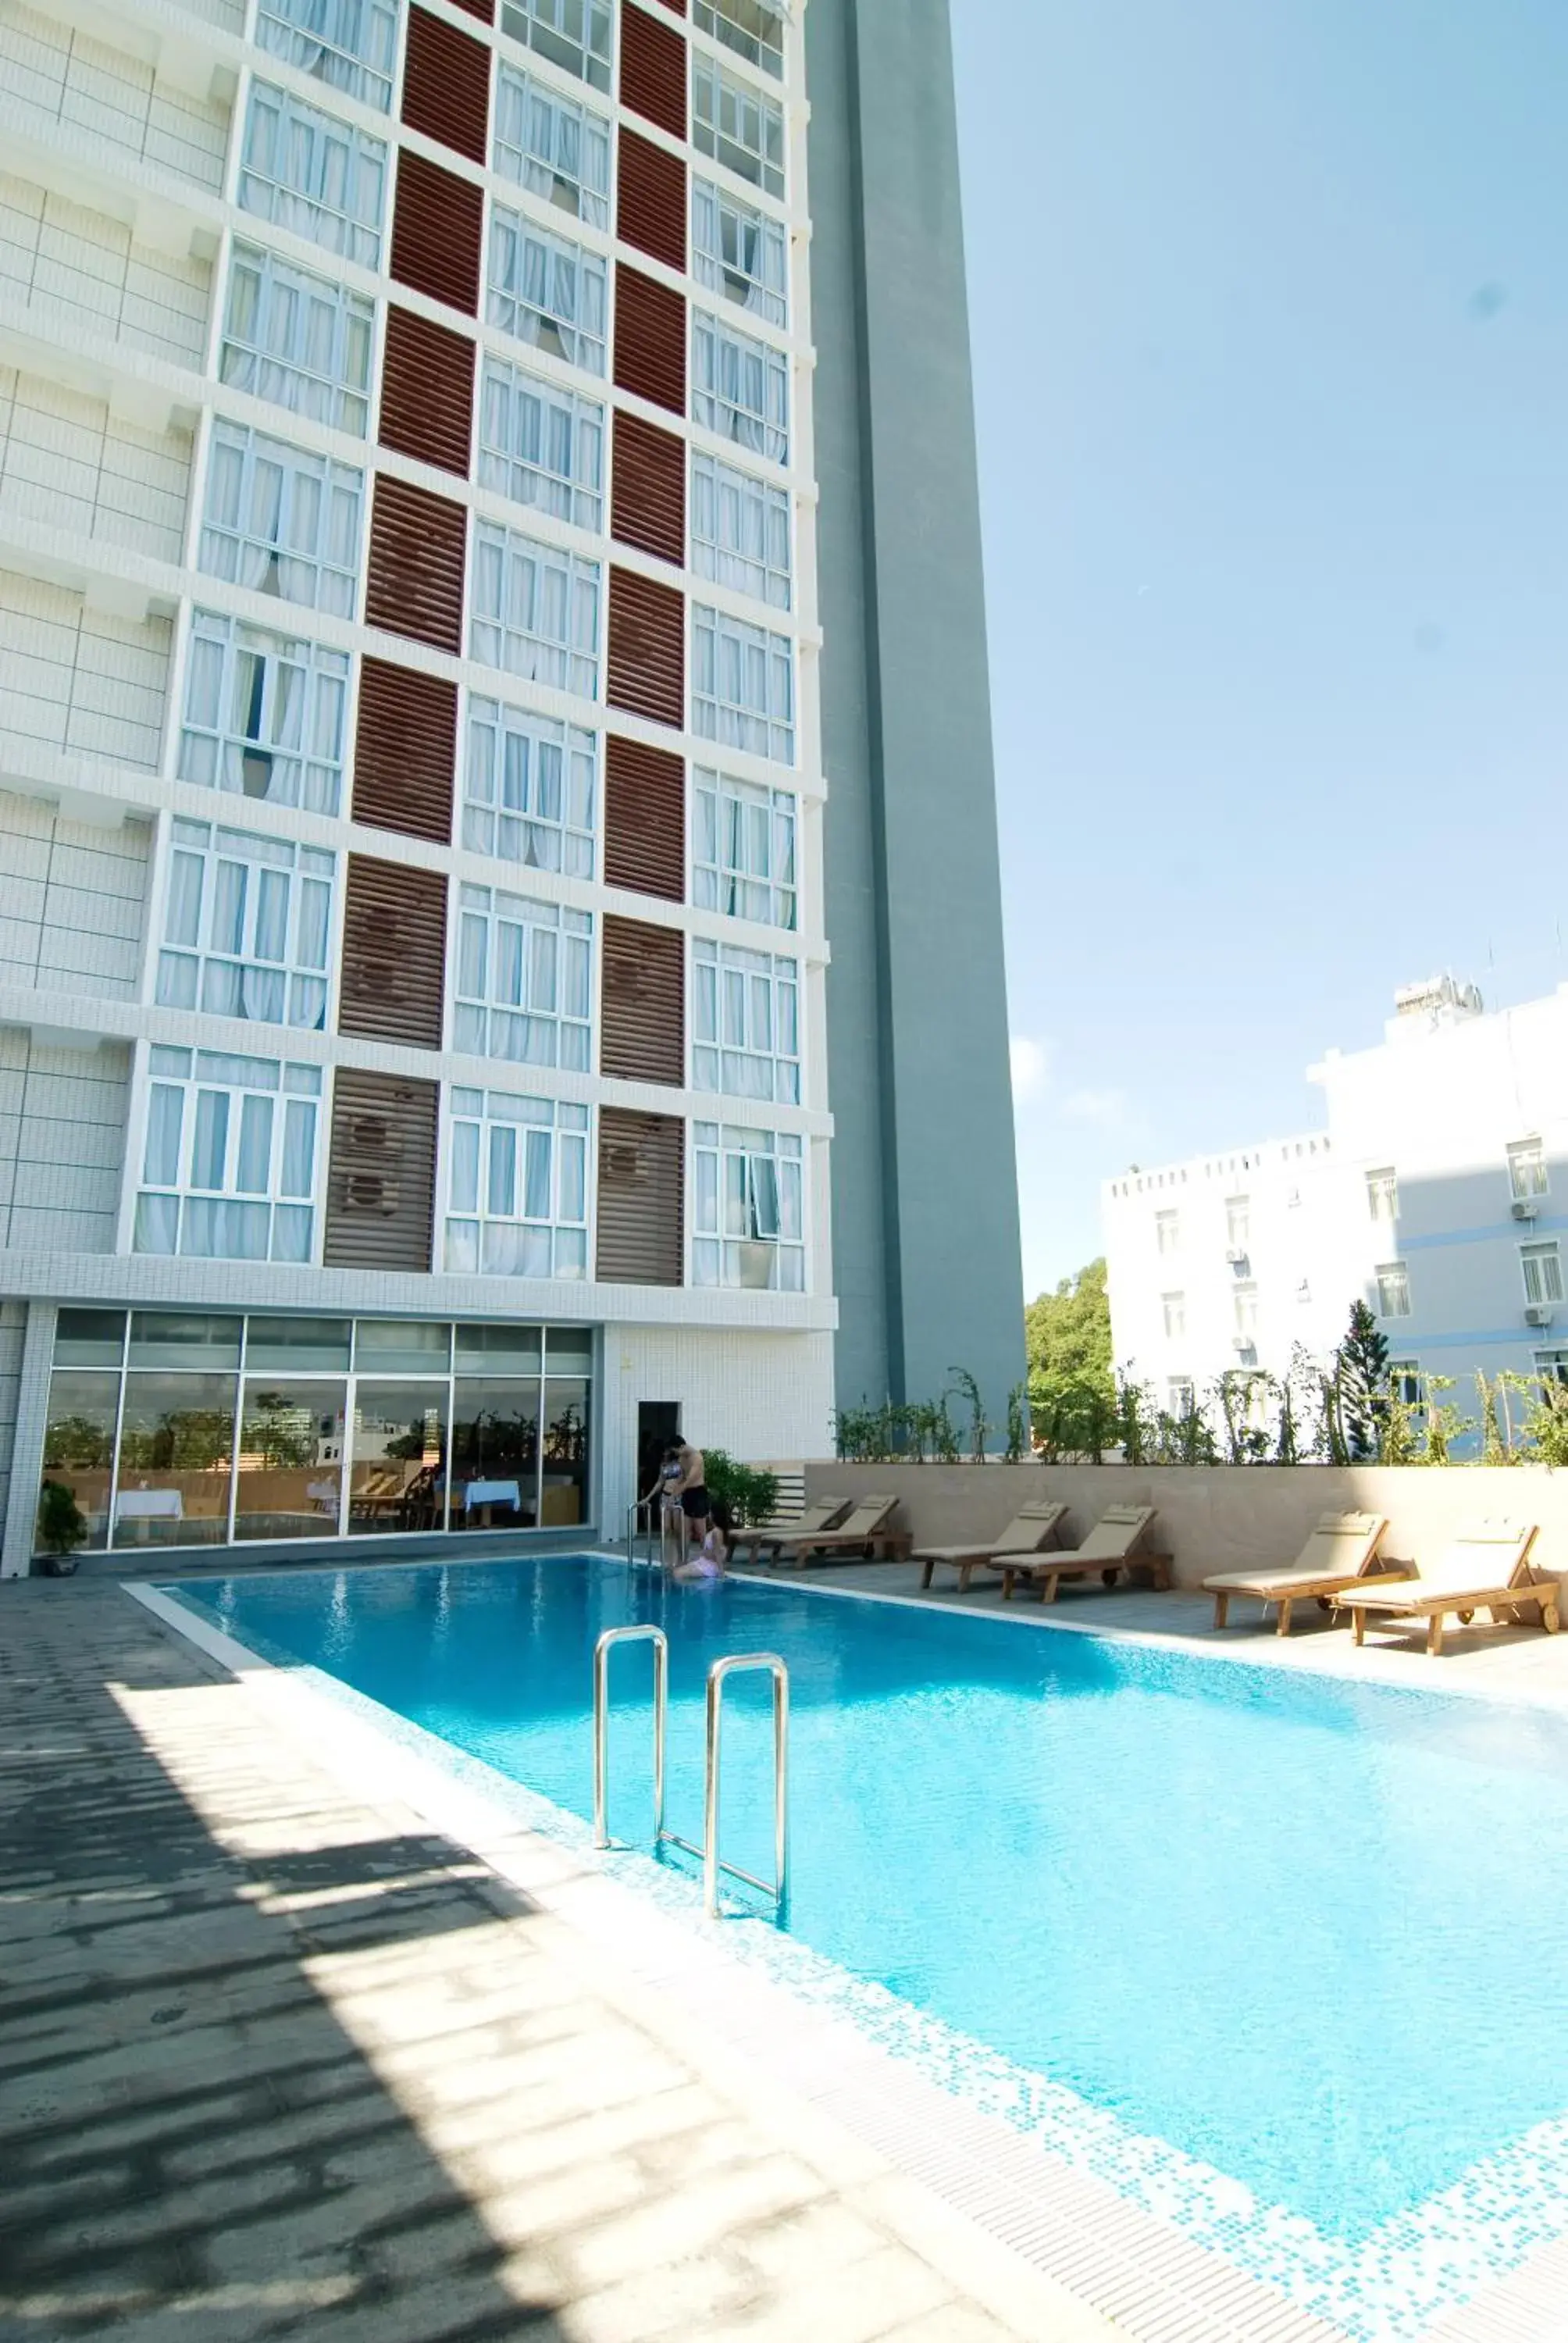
734	1664
658	1528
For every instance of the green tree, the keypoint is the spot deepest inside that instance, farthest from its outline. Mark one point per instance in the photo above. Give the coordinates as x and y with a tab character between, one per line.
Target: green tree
1067	1336
1361	1378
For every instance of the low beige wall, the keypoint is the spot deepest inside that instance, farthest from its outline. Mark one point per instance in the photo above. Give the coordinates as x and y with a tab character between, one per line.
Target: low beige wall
1215	1518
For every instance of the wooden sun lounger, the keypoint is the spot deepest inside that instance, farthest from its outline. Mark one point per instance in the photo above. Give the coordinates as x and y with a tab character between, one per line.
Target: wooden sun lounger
1341	1549
863	1534
1113	1545
1031	1528
822	1515
1485	1569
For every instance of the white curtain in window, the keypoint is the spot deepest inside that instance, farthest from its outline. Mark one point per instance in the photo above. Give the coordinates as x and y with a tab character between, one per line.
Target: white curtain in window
293	338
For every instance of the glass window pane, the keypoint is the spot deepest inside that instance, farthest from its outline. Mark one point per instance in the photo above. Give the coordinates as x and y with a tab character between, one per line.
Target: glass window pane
161	1338
568	1350
495	1450
89	1338
290	1458
176	1460
397	1469
402	1346
503	1348
78	1456
563	1493
303	1344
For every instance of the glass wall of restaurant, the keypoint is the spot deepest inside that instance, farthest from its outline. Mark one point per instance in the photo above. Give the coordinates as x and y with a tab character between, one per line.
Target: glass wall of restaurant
173	1428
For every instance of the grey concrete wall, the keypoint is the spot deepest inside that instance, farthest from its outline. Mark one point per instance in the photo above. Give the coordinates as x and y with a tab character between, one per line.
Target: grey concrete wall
1221	1518
925	1200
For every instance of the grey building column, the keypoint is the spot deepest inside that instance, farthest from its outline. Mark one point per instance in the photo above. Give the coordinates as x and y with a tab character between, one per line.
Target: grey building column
925	1199
27	1441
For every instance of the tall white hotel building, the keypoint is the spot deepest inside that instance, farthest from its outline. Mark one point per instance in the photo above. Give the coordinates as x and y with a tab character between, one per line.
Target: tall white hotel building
438	767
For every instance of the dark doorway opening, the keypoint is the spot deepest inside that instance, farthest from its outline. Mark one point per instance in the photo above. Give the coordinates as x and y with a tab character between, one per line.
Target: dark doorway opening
658	1428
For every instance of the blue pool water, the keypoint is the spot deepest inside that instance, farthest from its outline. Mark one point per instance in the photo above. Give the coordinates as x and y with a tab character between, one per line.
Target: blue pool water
1301	1930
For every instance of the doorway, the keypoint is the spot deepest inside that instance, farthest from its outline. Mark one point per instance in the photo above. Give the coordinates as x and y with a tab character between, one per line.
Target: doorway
658	1428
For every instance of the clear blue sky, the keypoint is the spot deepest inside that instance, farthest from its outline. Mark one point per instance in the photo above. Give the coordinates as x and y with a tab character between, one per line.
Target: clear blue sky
1270	309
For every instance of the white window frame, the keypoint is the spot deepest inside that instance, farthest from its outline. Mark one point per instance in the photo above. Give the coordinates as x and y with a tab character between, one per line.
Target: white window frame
1393	1280
523	975
540	445
740	126
312	174
745	848
547	28
517	589
190	1095
346	44
745	1023
1167	1232
1238	1224
739	387
247	926
740	252
748	1208
563	310
1552	1366
740	530
1528	1174
552	144
1174	1312
731	657
754	29
518	1187
1541	1267
282	522
531	789
1181	1396
1244	1304
1406	1383
1383	1194
281	723
308	345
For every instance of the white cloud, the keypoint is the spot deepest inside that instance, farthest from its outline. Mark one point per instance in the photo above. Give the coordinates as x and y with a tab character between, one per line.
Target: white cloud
1031	1066
1103	1108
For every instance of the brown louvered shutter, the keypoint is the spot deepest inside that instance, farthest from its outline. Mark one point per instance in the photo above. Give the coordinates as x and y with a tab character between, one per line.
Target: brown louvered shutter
405	750
394	954
641	1183
414	579
437	223
426	391
651	199
647	503
646	669
446	86
483	9
642	1014
644	818
381	1173
650	339
653	69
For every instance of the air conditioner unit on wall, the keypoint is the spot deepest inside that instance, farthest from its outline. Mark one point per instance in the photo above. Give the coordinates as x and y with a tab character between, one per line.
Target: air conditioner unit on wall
1238	1256
1524	1208
1538	1313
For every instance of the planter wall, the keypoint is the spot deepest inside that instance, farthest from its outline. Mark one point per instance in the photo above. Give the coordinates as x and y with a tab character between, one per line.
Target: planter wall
1218	1517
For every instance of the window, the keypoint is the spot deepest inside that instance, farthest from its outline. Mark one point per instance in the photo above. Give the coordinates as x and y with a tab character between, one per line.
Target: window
1552	1366
1245	1303
229	1167
263	715
1404	1382
743	850
1238	1224
541	445
740	530
1527	1168
747	1208
518	1187
1542	1267
294	338
745	1024
1181	1398
553	146
1174	1307
349	44
1393	1290
740	388
1383	1195
523	980
534	610
247	927
308	172
738	126
740	252
546	291
754	29
573	35
281	521
1168	1231
742	685
529	790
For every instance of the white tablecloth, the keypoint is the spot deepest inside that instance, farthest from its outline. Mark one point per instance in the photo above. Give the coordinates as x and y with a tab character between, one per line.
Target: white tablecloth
492	1492
150	1505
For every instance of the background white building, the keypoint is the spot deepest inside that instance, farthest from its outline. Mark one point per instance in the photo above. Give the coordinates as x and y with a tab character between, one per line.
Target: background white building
1436	1194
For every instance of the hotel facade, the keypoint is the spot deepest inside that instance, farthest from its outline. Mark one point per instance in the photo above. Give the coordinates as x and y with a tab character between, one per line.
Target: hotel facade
499	939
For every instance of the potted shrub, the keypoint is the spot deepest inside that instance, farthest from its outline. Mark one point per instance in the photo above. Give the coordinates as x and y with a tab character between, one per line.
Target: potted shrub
61	1528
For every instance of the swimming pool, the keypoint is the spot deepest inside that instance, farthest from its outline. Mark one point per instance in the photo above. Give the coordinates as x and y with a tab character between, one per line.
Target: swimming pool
1291	1935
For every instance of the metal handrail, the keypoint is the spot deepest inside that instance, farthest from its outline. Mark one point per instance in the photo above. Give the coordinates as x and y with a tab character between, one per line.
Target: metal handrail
713	1864
642	1518
601	1651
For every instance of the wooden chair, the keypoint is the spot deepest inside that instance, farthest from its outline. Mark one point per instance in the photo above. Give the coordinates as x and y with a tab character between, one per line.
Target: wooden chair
1114	1543
1487	1568
1032	1527
1341	1548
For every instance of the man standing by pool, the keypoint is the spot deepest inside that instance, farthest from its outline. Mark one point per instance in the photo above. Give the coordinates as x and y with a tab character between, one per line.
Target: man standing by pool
692	1491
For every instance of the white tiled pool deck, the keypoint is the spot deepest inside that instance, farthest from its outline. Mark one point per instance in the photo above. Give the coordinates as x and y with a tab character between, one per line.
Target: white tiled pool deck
948	2224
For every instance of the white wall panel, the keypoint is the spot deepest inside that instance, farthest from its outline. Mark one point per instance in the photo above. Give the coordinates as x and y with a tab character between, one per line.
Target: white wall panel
62	1144
51	73
71	269
72	906
65	460
78	679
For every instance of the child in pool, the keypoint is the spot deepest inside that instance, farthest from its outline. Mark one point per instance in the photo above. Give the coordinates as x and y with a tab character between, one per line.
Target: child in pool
708	1562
